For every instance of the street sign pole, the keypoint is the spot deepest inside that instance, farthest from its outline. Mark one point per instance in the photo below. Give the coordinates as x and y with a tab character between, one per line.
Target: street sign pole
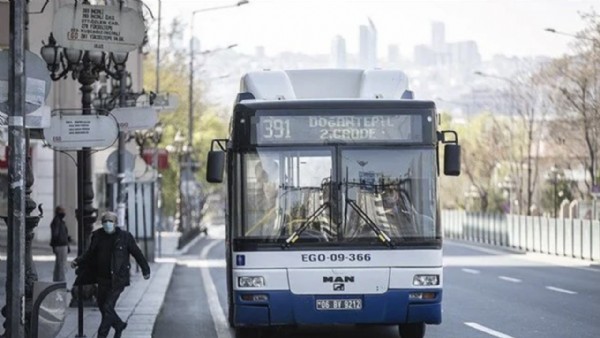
15	283
122	192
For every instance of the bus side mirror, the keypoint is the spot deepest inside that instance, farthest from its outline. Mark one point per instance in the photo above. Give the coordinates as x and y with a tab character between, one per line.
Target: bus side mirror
215	165
452	159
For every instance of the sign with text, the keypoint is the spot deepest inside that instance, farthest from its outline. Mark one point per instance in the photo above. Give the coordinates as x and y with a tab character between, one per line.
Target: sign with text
135	118
74	132
37	84
100	28
338	128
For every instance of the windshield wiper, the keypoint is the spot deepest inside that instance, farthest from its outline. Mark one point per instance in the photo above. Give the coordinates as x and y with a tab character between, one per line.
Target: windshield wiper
296	234
377	230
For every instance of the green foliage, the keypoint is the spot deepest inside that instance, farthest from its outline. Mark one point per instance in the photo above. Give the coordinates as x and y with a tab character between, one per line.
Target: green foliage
553	195
174	78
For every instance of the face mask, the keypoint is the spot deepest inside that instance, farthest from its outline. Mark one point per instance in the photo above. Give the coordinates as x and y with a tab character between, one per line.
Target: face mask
109	227
61	214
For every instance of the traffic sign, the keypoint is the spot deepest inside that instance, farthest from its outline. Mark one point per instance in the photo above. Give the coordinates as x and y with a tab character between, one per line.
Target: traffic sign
99	28
135	118
38	81
74	132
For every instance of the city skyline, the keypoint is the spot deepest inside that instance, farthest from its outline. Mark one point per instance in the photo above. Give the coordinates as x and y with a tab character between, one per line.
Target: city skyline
498	27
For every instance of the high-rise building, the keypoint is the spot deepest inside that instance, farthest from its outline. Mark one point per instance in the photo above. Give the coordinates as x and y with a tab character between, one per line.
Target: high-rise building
464	55
424	56
393	54
438	36
338	52
368	46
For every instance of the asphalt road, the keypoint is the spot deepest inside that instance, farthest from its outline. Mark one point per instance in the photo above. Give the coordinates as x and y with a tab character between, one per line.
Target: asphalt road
487	293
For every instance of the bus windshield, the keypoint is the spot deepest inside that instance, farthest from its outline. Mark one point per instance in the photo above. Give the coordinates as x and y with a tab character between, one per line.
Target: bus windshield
332	195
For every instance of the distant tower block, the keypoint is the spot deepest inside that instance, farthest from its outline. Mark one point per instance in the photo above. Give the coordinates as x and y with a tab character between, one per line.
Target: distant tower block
368	46
338	52
438	36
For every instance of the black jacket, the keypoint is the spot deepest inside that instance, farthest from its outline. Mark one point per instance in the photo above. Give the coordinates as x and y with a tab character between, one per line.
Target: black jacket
60	234
123	247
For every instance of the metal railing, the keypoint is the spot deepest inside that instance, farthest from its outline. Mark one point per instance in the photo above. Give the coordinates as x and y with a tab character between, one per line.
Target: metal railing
577	238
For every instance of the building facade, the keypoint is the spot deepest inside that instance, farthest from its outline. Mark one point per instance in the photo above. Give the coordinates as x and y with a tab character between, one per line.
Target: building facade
54	172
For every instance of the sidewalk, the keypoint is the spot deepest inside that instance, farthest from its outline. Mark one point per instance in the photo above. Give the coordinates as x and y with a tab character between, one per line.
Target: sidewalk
140	303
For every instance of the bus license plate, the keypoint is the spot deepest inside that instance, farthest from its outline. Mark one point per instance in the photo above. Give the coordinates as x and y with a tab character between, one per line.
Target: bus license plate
339	304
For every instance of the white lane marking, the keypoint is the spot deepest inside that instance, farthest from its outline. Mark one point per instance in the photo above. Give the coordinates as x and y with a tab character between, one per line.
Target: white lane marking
471	271
561	261
487	330
569	292
214	305
510	279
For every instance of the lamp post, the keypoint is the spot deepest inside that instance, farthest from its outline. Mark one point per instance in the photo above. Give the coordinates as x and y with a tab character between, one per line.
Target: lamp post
514	89
142	138
191	83
177	149
508	184
85	67
595	51
192	53
555	176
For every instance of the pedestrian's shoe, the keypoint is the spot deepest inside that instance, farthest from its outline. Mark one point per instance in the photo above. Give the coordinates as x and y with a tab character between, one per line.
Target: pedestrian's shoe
119	330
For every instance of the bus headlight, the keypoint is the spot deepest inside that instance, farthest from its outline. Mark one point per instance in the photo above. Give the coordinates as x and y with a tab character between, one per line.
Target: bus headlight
426	280
251	281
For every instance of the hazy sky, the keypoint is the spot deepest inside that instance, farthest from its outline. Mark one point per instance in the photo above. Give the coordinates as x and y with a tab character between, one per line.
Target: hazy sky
512	27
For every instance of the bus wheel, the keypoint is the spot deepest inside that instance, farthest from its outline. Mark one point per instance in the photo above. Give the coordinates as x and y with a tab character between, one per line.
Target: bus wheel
412	330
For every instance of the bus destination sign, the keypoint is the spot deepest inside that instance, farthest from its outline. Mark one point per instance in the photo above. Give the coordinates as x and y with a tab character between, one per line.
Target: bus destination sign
339	128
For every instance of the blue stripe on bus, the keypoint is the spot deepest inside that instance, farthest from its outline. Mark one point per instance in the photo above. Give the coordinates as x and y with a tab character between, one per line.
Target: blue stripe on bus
286	308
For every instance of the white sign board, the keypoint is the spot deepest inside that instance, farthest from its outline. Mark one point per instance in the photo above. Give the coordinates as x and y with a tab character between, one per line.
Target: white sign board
135	118
74	132
100	28
37	84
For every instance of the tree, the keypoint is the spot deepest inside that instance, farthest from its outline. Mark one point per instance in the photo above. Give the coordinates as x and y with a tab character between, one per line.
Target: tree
575	80
484	144
173	78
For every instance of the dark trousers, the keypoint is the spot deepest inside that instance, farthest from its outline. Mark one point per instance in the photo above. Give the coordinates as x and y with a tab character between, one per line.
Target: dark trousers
107	300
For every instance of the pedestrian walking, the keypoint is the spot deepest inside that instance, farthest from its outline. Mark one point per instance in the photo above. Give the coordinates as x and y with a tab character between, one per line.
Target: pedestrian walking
59	241
106	262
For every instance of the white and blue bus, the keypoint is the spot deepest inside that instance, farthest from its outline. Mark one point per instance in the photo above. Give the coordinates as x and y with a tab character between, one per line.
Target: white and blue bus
332	214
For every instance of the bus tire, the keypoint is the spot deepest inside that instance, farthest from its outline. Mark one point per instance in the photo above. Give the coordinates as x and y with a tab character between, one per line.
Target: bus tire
412	330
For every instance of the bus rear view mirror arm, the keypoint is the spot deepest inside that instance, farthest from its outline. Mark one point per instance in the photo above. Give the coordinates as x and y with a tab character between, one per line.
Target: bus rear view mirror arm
451	152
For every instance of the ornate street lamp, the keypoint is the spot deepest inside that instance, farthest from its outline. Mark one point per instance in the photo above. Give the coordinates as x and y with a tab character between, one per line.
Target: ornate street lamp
85	67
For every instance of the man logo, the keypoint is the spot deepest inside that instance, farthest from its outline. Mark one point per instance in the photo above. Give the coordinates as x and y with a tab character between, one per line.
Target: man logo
338	279
339	287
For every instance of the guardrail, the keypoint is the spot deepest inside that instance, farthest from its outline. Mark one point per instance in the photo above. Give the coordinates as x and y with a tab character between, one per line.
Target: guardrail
577	238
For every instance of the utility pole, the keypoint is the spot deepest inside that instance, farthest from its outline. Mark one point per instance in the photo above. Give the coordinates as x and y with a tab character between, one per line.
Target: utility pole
15	283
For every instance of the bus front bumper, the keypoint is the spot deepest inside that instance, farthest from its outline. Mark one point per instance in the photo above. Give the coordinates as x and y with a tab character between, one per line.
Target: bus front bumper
271	308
